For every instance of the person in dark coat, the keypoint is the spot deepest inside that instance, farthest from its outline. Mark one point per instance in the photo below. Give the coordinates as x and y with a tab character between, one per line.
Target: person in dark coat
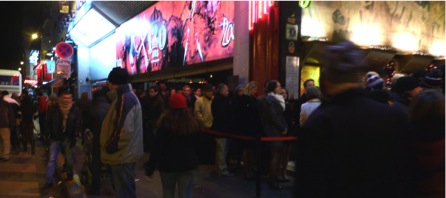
63	123
94	120
352	146
153	105
14	130
274	125
27	126
175	153
427	121
222	114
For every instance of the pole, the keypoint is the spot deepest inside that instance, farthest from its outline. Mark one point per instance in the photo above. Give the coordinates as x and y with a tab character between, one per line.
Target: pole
259	167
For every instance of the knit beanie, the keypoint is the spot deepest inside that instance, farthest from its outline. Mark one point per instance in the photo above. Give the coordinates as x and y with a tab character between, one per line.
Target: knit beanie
405	84
374	82
343	63
118	76
433	79
177	101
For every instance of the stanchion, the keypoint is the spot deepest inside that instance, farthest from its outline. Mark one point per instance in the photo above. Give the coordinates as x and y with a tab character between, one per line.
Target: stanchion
258	140
259	167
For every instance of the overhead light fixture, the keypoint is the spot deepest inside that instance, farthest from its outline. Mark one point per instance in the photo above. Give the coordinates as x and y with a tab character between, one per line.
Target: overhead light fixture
89	27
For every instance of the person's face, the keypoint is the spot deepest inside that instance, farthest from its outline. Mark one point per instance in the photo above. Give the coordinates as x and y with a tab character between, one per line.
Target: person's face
209	94
152	93
66	98
309	84
278	89
284	94
112	86
253	91
186	91
225	91
173	91
198	92
240	91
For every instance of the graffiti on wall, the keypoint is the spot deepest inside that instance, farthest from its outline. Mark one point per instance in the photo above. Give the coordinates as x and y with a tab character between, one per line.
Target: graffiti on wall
177	33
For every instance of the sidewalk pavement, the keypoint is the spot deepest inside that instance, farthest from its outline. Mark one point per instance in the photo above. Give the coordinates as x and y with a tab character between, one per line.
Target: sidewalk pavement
208	184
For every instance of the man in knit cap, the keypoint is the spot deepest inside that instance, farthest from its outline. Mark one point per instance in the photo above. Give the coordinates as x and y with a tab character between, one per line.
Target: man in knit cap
351	146
121	135
404	89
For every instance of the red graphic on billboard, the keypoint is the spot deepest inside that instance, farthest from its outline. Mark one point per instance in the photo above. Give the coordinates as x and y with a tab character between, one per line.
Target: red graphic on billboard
177	33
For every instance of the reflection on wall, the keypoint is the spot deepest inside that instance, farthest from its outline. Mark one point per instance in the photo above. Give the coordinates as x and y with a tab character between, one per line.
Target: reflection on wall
420	23
177	33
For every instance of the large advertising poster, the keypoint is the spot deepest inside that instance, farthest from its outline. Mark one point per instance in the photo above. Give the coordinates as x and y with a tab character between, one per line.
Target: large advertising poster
176	33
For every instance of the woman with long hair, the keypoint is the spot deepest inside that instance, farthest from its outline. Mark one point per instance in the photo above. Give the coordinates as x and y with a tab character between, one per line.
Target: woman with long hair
175	148
275	125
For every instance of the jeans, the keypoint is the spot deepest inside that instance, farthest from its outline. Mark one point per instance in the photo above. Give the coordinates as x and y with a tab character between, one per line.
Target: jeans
123	176
55	148
5	143
221	150
185	180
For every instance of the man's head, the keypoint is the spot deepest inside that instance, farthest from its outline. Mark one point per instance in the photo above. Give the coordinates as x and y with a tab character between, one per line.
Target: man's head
223	89
117	76
197	92
309	83
153	90
186	90
208	91
65	97
408	85
5	93
342	68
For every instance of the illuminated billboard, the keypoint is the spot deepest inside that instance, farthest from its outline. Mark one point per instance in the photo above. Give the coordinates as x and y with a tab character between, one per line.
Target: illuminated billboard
177	33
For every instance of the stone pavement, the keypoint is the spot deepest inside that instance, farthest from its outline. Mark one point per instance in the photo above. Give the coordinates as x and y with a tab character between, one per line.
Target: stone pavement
208	184
23	174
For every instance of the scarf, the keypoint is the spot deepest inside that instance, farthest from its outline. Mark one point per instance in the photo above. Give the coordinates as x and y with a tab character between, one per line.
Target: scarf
279	99
65	108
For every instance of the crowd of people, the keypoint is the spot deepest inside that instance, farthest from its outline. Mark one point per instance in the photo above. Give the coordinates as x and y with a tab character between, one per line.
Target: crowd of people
358	135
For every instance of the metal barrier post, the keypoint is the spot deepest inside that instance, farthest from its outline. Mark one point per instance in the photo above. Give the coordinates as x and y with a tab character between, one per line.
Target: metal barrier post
259	166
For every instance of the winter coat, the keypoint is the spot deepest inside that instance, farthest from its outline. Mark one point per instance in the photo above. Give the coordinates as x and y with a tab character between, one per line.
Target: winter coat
353	146
54	124
122	133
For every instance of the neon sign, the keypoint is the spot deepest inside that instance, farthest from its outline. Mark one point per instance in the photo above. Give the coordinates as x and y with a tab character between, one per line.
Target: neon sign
304	3
258	9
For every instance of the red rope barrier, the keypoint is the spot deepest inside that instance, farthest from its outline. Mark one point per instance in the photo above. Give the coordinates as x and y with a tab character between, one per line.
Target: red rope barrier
244	137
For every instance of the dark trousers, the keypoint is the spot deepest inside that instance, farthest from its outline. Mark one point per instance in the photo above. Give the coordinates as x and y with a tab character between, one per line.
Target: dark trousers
28	136
15	139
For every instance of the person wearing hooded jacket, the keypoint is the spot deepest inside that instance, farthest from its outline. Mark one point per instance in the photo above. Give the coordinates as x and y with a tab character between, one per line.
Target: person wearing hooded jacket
121	135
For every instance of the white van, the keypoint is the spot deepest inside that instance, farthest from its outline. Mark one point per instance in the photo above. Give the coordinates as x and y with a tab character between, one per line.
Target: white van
11	81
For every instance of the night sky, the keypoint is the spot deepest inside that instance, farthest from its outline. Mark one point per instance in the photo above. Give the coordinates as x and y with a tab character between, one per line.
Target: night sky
19	19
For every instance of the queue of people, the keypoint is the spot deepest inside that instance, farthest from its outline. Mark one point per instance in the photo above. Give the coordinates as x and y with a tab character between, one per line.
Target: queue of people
357	137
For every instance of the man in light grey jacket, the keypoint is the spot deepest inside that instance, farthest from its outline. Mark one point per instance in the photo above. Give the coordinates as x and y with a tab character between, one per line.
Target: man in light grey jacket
121	134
